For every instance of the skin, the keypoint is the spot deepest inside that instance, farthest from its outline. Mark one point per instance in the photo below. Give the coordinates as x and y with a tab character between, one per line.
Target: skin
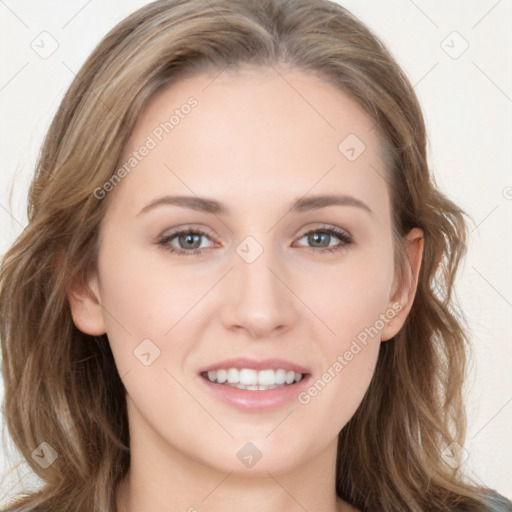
255	142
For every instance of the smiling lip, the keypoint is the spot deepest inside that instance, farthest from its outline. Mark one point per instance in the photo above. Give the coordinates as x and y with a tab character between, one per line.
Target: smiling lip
252	400
252	364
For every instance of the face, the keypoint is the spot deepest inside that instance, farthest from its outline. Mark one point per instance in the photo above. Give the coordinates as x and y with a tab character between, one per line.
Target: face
253	276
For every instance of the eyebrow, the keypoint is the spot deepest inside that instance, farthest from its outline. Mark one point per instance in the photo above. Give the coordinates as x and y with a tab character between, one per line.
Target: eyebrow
300	205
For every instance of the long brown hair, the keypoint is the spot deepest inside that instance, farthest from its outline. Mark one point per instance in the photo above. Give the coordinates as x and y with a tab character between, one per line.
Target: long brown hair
62	386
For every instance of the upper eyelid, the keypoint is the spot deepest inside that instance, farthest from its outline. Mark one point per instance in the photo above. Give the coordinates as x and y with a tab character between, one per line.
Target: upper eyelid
173	232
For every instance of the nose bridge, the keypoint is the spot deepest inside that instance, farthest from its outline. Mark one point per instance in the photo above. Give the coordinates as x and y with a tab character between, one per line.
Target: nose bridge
258	299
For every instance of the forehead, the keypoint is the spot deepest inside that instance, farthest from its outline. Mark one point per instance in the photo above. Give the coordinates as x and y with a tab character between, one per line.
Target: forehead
254	130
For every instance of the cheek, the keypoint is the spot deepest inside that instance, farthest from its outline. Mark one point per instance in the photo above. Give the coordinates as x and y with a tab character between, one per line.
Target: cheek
144	305
144	296
351	297
352	301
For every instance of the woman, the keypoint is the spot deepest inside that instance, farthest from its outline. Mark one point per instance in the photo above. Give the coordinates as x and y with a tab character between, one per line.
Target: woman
234	290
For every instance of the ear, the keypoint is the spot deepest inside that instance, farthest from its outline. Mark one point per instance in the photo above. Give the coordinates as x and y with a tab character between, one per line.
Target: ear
86	309
405	291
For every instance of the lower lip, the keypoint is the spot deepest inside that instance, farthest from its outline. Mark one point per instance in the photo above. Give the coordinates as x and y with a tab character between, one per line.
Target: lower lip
252	400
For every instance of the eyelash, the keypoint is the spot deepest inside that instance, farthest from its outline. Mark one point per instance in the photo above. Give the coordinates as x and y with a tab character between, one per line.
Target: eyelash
344	238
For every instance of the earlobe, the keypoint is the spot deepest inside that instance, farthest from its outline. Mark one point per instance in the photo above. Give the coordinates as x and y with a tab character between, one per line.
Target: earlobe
403	298
85	302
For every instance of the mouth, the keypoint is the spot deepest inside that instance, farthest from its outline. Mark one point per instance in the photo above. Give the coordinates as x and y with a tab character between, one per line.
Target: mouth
255	386
254	380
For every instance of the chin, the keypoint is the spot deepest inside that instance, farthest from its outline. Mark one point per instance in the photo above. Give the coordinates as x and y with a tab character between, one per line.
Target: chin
258	457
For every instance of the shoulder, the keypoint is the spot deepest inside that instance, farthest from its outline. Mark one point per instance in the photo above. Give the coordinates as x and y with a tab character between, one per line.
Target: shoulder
498	503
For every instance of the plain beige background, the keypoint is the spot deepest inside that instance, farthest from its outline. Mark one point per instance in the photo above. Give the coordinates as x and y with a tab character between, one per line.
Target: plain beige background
457	54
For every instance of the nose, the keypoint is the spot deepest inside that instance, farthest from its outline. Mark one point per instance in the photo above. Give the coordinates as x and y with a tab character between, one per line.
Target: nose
258	299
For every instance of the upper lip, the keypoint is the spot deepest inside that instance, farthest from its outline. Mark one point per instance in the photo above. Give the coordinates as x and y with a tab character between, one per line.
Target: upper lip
254	364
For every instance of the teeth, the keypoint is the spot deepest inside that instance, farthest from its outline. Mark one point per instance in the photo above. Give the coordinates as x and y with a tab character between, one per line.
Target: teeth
246	378
280	376
255	388
233	375
267	378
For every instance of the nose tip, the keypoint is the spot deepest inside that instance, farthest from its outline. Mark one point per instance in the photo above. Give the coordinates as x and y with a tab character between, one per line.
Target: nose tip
256	298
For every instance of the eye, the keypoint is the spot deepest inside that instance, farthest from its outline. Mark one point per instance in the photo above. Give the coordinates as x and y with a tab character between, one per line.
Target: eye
188	241
321	237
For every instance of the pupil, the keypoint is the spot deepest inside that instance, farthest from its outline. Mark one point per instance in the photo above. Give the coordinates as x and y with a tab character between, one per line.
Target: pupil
189	239
315	237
